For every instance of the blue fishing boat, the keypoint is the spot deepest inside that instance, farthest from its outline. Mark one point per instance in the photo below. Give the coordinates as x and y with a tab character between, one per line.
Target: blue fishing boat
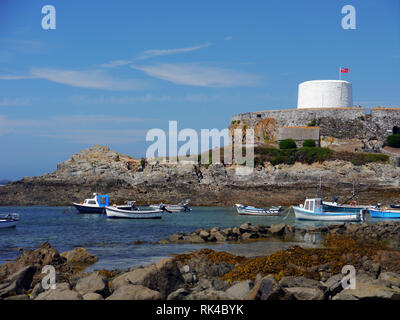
385	213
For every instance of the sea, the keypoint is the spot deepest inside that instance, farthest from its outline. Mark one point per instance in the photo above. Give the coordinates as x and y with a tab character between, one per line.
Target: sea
123	243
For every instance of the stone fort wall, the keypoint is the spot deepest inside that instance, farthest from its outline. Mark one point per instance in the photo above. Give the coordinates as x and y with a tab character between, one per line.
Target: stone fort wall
341	123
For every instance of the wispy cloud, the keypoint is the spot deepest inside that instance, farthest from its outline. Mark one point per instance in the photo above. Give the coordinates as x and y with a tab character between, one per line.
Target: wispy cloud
88	129
10	102
228	38
112	100
162	52
92	79
191	74
116	63
154	53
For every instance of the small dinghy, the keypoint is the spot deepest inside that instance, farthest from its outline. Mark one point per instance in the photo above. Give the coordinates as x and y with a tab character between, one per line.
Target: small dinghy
253	211
180	207
117	213
313	210
384	213
96	204
9	220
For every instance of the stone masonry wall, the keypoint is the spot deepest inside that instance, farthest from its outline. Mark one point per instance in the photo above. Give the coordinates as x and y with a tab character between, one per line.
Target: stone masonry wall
341	123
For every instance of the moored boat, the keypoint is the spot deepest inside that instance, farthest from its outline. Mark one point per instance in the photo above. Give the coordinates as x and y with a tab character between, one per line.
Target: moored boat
9	220
180	207
253	211
352	207
96	204
115	213
313	210
385	213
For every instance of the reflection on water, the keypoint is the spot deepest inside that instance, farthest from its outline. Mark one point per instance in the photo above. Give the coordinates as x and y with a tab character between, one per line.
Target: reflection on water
114	241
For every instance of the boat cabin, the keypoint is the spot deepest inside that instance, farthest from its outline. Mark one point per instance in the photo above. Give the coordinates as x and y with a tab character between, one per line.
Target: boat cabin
97	200
313	205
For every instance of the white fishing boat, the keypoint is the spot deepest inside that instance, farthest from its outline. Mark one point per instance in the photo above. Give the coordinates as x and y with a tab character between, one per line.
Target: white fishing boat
115	213
9	220
313	210
180	207
253	211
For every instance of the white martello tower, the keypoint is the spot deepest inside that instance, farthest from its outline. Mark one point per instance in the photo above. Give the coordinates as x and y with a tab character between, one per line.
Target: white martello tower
325	94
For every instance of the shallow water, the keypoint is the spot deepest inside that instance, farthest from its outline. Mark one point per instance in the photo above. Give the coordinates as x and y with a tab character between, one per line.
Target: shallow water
113	241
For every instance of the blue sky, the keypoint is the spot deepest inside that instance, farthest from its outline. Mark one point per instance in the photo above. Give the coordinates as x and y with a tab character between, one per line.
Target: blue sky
111	70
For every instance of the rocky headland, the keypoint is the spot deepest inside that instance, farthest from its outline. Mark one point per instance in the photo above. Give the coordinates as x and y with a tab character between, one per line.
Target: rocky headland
292	274
125	178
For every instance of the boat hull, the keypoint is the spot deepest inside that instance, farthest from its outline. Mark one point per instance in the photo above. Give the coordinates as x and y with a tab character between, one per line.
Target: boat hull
173	208
8	224
342	208
115	213
302	214
252	211
88	209
386	214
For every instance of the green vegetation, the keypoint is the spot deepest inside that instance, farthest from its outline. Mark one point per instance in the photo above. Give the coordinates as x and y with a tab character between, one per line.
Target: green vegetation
310	155
287	144
313	123
143	162
393	140
235	121
309	143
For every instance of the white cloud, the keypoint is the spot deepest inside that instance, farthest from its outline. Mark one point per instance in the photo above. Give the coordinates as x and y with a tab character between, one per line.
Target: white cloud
162	52
228	38
196	75
10	102
112	100
88	129
91	79
116	63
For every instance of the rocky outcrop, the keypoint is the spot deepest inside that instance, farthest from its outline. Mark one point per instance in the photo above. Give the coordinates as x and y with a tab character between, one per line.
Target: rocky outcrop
124	178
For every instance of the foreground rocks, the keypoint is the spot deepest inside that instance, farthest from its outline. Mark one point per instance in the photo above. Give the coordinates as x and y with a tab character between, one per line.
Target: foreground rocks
292	274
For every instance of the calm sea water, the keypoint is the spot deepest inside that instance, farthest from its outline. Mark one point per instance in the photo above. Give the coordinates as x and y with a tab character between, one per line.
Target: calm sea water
113	241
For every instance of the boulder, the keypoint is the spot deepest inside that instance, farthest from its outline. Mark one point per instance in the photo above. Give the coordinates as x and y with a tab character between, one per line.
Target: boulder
92	296
62	292
240	290
391	279
204	234
209	294
368	292
18	282
180	294
268	289
334	284
94	283
18	297
164	277
306	293
134	292
304	282
79	257
277	230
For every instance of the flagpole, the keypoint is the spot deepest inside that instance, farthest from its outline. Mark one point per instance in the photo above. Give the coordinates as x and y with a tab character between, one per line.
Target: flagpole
340	73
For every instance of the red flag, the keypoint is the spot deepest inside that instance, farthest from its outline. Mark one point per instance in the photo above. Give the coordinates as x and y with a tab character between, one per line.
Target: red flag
344	70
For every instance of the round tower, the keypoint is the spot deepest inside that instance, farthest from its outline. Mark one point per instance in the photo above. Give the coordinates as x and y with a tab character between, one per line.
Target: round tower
325	94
